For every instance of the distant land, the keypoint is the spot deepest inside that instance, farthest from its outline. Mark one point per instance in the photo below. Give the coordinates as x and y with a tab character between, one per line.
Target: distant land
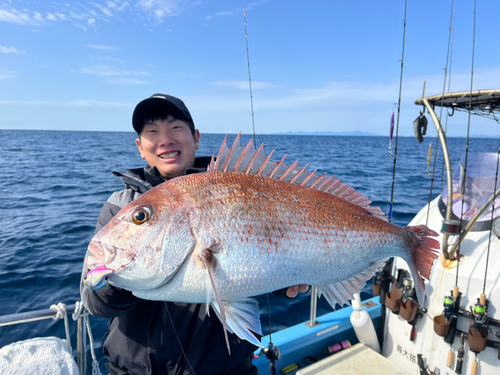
358	133
355	133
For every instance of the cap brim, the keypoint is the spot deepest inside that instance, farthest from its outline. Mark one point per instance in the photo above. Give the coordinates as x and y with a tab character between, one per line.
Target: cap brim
148	107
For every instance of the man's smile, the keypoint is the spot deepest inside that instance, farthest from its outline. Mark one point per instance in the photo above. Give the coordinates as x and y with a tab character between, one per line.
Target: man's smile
170	155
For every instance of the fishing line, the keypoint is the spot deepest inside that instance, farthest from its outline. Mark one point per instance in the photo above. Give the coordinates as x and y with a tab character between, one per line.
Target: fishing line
462	188
249	77
440	116
399	111
177	337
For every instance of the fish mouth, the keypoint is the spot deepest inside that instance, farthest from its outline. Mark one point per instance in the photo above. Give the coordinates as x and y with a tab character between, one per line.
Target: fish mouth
102	254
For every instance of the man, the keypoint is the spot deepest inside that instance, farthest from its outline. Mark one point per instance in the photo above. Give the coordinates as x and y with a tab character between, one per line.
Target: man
156	337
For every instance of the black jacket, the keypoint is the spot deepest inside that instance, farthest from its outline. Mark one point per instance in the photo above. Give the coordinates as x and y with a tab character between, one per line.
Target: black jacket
142	338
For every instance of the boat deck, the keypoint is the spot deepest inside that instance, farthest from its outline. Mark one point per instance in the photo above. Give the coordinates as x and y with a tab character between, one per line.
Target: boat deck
356	360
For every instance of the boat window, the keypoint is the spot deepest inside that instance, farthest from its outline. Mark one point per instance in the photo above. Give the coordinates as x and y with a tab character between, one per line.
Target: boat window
479	185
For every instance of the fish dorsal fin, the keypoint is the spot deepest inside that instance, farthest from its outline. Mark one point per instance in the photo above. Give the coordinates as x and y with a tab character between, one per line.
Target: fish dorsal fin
250	161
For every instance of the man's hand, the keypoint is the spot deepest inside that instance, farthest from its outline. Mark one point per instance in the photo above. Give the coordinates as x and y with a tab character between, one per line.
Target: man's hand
293	291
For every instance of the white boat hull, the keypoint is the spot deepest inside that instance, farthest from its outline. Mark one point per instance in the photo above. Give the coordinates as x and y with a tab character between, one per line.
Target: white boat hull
397	346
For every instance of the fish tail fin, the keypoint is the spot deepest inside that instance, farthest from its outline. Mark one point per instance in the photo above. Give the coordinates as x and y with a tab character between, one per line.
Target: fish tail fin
424	250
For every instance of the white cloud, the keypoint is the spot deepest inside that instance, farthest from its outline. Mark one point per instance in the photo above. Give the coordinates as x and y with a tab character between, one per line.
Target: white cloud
15	16
128	81
92	12
243	85
101	47
38	17
9	50
107	12
77	16
108	58
229	13
7	74
334	105
118	5
68	103
254	4
104	70
61	16
159	9
80	26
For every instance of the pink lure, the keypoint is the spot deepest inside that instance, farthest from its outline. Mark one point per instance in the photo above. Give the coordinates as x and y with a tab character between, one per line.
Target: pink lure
97	278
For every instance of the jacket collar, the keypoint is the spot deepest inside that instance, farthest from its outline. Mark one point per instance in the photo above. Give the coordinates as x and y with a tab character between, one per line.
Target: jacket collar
144	179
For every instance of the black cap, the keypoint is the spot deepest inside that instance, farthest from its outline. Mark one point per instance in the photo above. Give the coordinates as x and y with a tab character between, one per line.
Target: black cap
159	106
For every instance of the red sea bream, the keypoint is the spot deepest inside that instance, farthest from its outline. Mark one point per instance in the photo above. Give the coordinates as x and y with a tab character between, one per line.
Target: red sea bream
247	227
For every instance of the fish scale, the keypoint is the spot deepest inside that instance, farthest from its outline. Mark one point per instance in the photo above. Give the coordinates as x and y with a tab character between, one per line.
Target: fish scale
247	227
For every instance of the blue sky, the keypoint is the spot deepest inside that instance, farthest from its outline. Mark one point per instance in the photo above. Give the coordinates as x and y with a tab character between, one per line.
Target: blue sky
316	66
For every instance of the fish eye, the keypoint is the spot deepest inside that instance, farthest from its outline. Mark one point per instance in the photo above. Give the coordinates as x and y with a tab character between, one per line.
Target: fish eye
141	215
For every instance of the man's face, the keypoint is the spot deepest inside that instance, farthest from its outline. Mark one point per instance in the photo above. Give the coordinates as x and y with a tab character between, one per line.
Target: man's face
169	146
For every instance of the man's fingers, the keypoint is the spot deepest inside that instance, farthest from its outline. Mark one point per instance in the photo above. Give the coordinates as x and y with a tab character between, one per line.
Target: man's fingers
292	291
296	289
303	288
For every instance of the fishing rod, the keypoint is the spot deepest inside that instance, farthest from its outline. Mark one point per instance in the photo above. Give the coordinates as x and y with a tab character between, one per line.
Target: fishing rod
462	185
249	76
449	87
271	352
450	36
399	112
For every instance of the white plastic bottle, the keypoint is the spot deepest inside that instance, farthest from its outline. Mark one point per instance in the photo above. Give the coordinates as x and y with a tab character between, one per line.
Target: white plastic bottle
363	325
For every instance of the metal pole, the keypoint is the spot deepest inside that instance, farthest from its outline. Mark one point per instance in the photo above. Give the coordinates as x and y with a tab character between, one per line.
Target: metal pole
314	304
449	178
81	346
31	316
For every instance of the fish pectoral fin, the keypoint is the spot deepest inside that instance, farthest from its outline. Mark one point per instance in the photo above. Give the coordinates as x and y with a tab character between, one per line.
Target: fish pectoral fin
341	292
208	258
242	317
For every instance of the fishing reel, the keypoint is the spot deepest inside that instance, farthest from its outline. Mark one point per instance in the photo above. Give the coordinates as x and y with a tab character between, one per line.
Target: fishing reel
479	312
449	305
407	289
271	352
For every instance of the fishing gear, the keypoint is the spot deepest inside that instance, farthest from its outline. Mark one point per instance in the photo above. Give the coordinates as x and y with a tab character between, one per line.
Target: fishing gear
249	77
420	127
398	104
460	355
271	352
479	312
391	132
429	154
448	304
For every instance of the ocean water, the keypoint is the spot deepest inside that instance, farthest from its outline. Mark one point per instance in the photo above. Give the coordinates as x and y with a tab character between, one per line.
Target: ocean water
53	185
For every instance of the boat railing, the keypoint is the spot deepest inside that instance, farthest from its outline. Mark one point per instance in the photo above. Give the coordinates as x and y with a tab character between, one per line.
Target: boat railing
33	316
314	305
